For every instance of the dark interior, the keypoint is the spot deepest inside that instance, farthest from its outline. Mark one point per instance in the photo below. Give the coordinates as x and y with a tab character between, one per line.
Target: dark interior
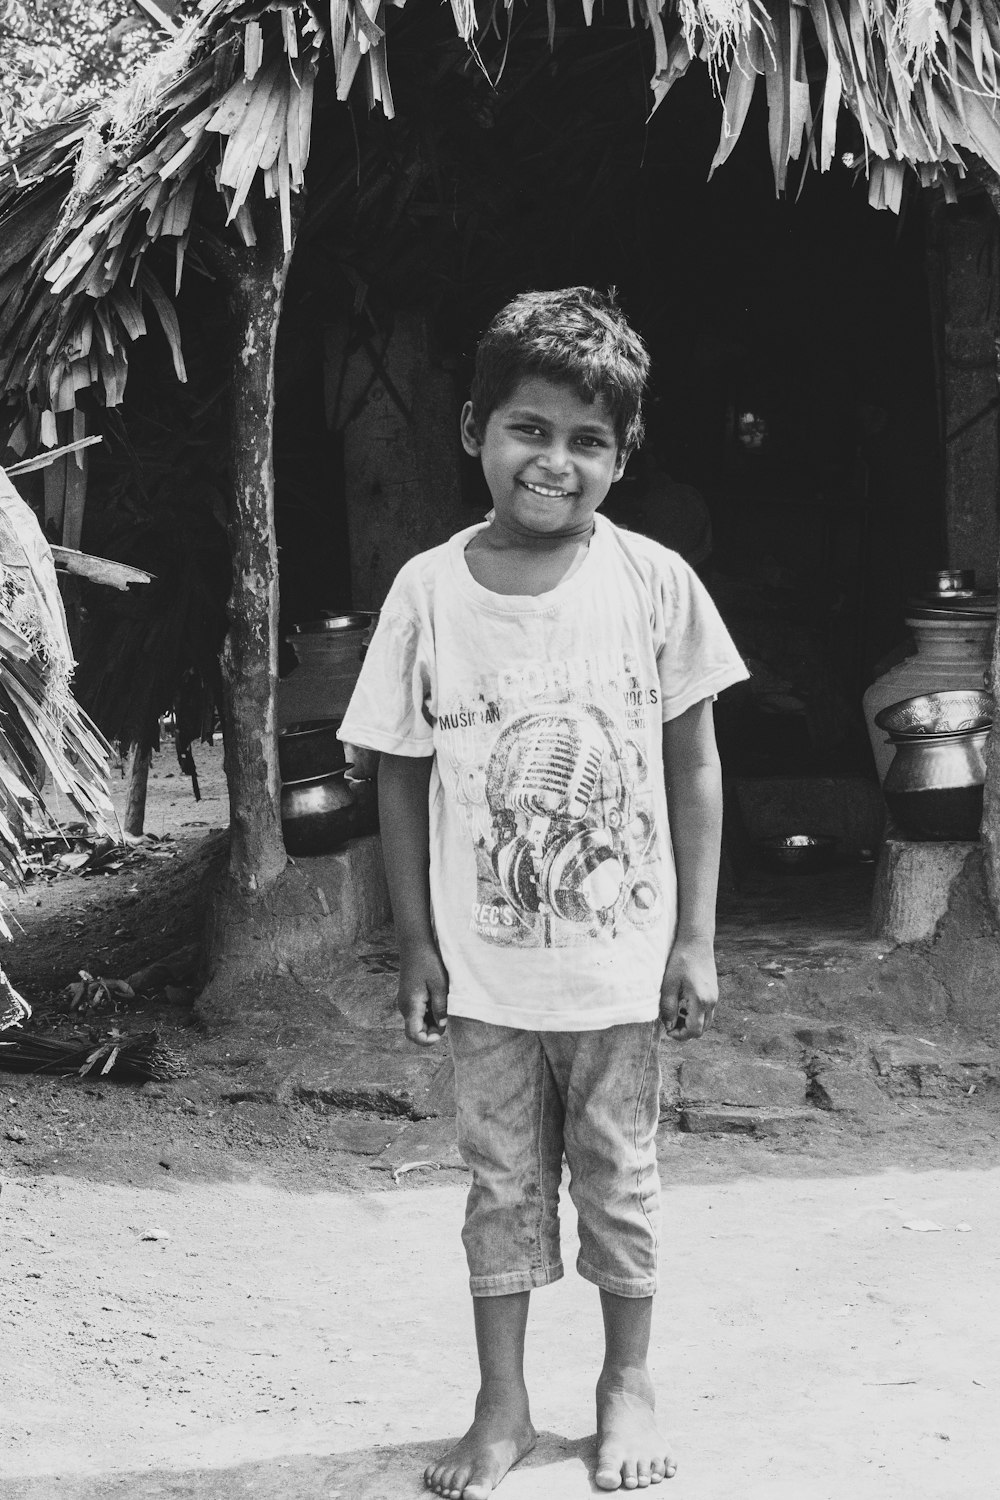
791	339
794	382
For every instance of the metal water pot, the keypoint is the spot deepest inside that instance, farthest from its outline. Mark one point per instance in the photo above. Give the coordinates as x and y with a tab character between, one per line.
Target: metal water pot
320	814
309	749
934	785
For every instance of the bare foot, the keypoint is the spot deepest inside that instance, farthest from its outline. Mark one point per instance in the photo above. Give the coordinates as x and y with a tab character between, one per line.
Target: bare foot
631	1454
500	1435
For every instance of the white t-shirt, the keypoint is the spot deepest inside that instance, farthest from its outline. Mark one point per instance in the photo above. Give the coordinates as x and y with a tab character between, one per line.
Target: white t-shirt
552	880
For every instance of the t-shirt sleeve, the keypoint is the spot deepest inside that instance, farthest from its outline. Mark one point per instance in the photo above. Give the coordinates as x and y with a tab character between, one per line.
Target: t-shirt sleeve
390	706
695	655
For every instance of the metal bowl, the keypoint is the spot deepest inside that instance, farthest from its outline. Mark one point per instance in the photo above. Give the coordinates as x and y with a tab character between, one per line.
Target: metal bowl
357	620
954	711
309	748
797	853
977	607
949	581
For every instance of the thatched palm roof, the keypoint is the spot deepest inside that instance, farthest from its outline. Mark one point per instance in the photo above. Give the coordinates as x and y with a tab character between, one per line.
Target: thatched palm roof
229	106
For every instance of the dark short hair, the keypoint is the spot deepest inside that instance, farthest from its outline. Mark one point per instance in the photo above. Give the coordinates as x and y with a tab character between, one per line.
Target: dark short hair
576	336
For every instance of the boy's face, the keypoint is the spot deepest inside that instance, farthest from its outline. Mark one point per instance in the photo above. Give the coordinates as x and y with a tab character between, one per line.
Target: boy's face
548	455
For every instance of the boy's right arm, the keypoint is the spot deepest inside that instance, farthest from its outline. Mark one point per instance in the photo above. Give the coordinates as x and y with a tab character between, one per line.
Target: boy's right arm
403	787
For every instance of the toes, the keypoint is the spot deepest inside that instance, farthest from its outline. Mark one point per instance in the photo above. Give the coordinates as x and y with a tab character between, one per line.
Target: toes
615	1472
477	1489
660	1469
609	1472
443	1482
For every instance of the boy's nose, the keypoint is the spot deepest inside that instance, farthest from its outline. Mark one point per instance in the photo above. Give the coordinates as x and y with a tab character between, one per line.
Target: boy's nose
555	459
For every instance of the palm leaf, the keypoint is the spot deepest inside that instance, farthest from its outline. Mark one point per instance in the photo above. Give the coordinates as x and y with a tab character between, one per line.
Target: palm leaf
85	199
41	725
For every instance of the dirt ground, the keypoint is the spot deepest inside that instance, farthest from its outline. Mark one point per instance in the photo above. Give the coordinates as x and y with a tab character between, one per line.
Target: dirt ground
208	1295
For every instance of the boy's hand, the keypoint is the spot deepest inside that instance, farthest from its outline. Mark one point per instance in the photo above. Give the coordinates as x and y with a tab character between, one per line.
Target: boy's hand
690	990
422	999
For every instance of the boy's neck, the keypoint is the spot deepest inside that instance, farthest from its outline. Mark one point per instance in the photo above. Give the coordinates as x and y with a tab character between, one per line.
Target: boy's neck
504	538
512	562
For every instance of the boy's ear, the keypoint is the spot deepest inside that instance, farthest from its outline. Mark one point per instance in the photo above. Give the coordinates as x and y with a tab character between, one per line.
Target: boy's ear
471	440
624	454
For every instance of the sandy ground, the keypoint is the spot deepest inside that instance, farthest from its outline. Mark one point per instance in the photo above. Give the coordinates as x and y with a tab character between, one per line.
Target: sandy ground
211	1299
807	1343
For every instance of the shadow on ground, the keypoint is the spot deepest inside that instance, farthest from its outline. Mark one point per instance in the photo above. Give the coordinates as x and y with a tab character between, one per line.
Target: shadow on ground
392	1472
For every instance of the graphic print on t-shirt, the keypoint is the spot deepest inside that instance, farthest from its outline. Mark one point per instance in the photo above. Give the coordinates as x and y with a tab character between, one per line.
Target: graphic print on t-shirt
558	802
570	849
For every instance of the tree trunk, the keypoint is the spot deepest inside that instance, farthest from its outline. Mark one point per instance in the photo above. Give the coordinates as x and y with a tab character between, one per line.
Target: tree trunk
250	654
255	281
991	792
138	778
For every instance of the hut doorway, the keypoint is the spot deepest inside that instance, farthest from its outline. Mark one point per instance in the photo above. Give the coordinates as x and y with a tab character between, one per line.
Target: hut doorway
794	384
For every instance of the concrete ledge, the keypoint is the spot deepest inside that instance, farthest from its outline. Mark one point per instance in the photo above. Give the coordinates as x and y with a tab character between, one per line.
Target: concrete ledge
350	890
913	886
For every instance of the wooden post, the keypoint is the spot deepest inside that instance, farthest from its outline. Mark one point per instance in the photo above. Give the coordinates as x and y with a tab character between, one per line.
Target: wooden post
254	279
250	655
138	779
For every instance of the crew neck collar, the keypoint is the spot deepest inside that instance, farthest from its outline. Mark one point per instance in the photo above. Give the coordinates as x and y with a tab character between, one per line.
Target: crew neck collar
522	604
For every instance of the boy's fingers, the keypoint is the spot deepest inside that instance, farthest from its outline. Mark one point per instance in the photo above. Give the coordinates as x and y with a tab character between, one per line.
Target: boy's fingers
415	1017
697	1016
670	1004
684	1013
694	1024
437	997
439	1005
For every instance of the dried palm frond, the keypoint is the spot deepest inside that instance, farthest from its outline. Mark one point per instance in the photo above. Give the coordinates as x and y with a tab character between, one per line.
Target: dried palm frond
13	1008
229	105
920	78
135	1059
42	728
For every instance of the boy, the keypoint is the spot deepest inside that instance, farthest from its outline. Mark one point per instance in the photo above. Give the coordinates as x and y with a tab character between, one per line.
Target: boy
547	914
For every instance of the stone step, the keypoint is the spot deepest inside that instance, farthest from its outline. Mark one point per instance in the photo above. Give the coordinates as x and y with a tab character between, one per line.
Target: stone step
715	1119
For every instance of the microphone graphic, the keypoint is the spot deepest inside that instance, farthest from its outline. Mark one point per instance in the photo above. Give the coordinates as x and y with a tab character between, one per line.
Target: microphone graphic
569	859
558	763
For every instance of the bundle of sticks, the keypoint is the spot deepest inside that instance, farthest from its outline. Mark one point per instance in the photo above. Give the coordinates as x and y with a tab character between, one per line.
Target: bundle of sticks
135	1059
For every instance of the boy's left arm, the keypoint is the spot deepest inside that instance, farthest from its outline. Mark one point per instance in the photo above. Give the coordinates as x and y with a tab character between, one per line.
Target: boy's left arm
690	989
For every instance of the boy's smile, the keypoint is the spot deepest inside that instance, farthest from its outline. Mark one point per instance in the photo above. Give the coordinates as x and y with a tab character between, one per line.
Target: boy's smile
549	458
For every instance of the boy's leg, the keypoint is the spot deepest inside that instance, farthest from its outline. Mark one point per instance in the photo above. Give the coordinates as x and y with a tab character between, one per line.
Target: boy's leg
509	1125
501	1431
631	1453
610	1082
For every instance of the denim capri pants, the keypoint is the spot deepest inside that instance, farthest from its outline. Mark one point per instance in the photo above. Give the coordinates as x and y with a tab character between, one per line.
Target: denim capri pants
524	1098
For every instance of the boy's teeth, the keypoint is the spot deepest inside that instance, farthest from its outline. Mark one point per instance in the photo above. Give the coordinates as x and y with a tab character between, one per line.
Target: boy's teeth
548	494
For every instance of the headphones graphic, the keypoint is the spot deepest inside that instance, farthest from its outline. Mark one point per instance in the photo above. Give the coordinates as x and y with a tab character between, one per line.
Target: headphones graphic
559	792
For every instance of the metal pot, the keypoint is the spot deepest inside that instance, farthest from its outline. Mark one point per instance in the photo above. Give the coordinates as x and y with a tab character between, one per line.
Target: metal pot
797	853
358	619
310	749
934	786
319	814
